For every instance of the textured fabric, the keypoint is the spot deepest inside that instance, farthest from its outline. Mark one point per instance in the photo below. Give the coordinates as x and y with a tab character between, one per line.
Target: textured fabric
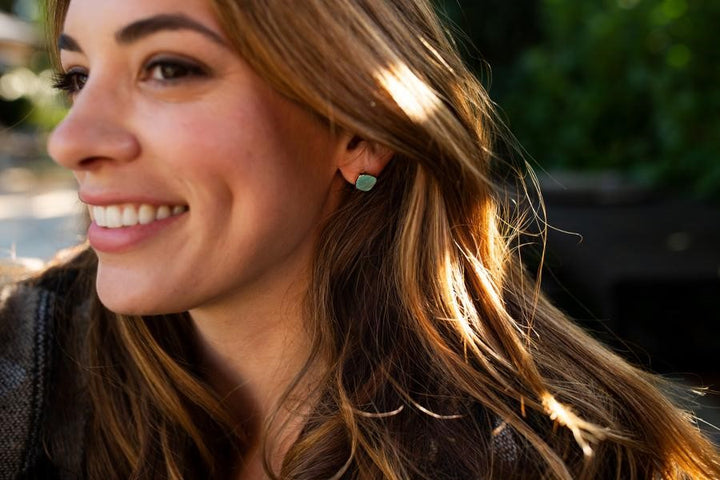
25	354
43	401
504	444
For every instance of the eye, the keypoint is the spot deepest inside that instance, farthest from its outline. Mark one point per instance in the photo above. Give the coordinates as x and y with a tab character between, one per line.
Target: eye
71	81
165	70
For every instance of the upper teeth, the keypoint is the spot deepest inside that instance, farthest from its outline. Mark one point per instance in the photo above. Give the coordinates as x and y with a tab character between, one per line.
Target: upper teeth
117	216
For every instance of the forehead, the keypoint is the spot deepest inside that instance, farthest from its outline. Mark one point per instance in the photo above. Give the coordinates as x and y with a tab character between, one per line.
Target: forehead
100	16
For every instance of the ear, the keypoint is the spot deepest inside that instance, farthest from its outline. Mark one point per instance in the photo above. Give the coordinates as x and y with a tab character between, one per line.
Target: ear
361	156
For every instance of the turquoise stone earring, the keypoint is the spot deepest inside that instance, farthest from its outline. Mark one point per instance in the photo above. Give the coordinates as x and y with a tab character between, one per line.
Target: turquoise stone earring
365	182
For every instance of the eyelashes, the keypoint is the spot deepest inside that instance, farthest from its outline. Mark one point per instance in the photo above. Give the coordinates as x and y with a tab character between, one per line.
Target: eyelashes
69	82
162	71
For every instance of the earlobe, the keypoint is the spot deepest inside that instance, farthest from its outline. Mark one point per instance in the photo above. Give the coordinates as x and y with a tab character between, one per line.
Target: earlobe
363	161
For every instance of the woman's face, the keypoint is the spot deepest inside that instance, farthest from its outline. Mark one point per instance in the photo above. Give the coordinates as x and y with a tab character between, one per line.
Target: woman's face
205	184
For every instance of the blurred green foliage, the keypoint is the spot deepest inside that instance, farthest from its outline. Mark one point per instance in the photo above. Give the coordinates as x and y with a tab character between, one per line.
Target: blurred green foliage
628	85
28	103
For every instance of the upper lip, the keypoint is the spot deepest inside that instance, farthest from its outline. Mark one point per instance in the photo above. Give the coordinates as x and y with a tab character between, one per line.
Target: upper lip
109	198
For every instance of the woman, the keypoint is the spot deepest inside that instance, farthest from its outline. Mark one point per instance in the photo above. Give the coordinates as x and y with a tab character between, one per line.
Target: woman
244	311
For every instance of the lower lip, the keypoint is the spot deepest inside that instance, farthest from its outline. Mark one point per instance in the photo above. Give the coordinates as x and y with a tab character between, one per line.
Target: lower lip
118	240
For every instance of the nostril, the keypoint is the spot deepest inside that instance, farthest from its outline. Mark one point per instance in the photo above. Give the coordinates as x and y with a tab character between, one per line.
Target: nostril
88	163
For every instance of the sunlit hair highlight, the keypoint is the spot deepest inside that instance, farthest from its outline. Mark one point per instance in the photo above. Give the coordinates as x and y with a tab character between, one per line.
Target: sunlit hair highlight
444	359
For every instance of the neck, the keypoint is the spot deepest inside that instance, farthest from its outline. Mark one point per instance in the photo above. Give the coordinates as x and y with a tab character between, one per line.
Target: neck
256	351
251	349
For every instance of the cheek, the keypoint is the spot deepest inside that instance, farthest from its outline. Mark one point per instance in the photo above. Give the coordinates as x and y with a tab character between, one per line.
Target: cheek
253	150
258	187
232	139
258	159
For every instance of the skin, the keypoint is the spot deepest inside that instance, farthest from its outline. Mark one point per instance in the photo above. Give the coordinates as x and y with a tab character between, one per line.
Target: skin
177	117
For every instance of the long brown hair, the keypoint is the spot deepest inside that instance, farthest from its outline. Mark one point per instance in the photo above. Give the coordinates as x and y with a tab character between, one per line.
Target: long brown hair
445	360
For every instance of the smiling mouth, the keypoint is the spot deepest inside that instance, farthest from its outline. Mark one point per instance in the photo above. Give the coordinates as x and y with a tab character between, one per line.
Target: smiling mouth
129	215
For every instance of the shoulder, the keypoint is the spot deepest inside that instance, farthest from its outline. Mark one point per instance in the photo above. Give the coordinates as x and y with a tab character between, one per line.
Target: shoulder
34	318
24	326
25	336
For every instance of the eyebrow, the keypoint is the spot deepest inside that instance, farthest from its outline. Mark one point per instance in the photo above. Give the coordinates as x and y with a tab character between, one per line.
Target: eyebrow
66	42
145	27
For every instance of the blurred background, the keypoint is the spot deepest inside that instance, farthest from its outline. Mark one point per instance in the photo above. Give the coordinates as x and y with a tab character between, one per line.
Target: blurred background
617	104
38	205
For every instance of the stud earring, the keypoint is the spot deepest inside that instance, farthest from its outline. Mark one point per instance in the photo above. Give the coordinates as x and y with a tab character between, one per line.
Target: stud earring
365	182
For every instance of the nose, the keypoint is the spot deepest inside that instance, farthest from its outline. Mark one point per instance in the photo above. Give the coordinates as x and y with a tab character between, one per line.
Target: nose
95	132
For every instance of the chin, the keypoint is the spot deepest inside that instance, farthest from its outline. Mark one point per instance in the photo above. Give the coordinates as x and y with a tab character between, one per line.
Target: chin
129	288
135	300
121	305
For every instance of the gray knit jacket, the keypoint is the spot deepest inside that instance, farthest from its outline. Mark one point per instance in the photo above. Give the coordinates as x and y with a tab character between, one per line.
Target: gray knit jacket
32	389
